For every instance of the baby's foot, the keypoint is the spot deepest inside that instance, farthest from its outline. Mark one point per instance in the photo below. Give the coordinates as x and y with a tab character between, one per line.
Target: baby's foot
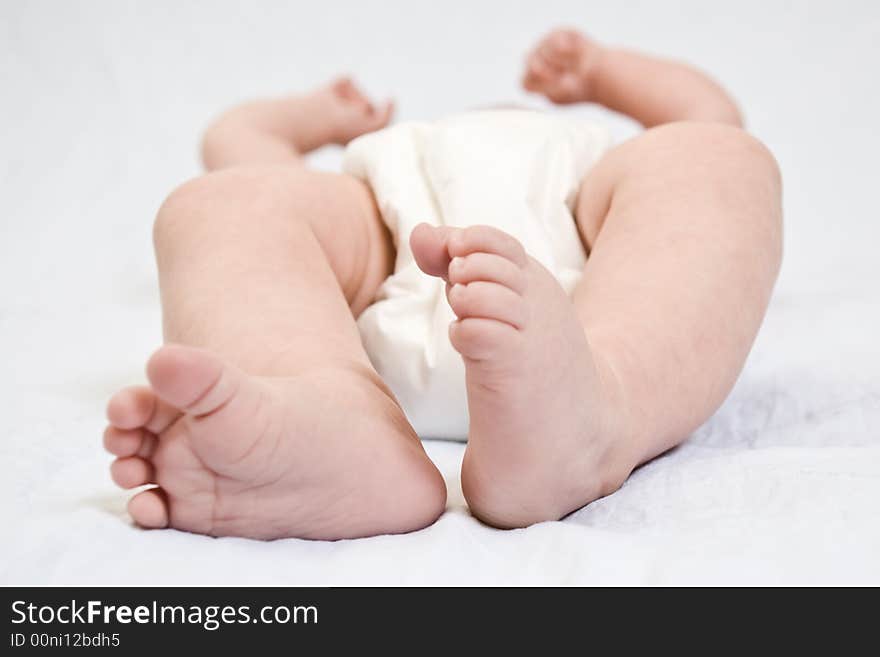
561	67
350	112
327	454
539	445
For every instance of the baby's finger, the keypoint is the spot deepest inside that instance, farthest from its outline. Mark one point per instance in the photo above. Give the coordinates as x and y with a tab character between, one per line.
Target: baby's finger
544	55
348	90
566	89
380	117
559	52
530	83
567	39
540	72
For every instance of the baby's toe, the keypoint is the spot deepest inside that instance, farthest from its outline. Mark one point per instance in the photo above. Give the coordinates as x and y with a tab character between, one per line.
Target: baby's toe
489	240
131	408
488	301
488	267
149	509
129	442
138	407
192	379
429	245
481	339
132	471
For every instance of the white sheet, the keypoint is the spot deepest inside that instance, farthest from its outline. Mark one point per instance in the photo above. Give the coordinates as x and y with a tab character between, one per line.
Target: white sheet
99	109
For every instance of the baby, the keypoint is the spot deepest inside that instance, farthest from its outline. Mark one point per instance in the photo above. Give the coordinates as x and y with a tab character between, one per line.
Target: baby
265	417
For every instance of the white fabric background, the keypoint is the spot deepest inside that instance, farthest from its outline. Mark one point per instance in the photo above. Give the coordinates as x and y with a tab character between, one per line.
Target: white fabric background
101	104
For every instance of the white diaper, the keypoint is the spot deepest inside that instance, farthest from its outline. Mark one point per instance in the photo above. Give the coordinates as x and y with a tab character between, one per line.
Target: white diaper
516	170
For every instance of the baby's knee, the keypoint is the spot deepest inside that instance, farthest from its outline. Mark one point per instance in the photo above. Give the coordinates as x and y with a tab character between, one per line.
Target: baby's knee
751	175
234	195
744	153
718	147
745	174
207	198
732	165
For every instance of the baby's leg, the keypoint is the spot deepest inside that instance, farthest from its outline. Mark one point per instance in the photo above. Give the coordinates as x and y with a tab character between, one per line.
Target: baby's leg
271	422
685	229
565	400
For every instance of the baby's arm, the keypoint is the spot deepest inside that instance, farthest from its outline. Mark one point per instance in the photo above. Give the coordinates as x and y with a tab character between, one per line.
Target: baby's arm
567	67
281	130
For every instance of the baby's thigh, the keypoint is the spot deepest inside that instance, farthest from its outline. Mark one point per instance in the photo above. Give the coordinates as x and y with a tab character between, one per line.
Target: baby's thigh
669	173
346	222
333	214
288	204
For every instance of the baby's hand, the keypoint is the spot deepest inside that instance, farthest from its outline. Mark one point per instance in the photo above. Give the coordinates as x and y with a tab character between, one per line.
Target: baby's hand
351	113
560	65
